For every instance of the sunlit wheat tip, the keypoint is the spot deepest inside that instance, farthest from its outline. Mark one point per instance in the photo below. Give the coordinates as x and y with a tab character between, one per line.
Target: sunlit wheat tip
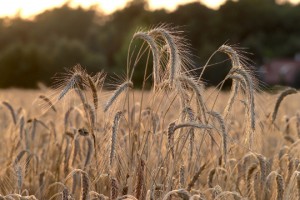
174	61
75	80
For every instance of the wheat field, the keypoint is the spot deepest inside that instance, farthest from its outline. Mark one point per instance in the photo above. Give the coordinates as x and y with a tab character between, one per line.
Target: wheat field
177	140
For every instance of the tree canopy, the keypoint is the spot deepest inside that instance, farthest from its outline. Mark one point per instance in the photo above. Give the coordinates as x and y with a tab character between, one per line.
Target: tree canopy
34	50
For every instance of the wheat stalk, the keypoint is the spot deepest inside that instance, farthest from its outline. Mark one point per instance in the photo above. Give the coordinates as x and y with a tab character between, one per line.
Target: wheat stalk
174	61
89	152
48	101
94	91
155	54
279	99
116	94
199	94
11	110
223	131
140	180
192	124
195	177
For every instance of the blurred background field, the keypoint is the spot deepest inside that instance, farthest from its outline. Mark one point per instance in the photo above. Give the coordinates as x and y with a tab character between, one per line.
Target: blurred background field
34	48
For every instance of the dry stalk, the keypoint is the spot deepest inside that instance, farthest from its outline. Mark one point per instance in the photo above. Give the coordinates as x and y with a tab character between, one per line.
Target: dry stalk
155	54
279	99
116	94
174	61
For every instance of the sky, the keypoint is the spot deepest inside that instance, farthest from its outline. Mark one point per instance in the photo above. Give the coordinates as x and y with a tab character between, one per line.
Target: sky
29	8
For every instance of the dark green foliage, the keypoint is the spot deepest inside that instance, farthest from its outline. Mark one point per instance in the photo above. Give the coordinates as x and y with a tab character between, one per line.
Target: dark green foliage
34	50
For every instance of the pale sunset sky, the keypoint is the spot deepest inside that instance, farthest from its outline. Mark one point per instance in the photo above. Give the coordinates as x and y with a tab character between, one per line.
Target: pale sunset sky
28	8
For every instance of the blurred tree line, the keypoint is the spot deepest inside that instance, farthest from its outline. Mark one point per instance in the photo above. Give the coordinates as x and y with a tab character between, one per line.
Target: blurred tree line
35	50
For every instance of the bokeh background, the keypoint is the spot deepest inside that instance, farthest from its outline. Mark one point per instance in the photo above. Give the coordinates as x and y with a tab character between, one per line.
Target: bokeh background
35	47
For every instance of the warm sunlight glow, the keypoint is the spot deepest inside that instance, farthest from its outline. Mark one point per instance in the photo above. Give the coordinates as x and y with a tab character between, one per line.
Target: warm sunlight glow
169	4
26	8
108	6
213	3
31	7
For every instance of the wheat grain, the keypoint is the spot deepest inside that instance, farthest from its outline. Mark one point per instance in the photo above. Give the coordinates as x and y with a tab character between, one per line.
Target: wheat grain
250	181
181	193
223	131
280	98
140	181
85	186
127	197
171	137
232	53
94	91
98	196
65	194
199	94
114	189
280	187
155	54
75	81
89	152
114	136
11	110
181	176
192	124
116	94
174	61
224	195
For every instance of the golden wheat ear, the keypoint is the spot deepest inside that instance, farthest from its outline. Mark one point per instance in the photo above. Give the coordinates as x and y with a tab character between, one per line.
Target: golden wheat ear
181	193
114	191
280	98
73	79
155	53
177	48
123	87
174	61
11	110
77	80
95	84
115	128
